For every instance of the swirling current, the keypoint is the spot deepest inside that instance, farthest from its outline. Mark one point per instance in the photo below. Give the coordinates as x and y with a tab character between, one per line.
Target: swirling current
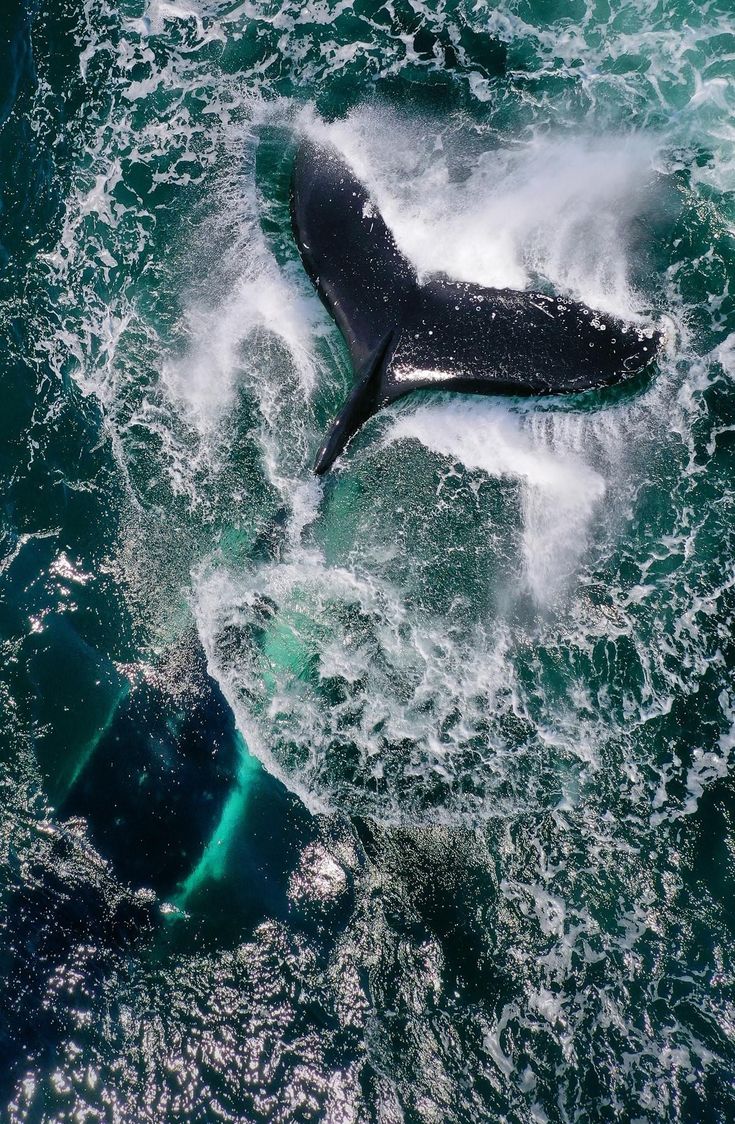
405	795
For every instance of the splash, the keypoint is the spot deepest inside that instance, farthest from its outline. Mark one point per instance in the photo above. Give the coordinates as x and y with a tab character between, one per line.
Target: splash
560	492
556	210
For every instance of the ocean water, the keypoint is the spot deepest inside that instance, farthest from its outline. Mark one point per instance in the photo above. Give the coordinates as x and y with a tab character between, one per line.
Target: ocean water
405	795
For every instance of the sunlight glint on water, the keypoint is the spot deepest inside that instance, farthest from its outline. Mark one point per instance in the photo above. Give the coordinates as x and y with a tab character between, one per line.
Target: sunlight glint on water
488	656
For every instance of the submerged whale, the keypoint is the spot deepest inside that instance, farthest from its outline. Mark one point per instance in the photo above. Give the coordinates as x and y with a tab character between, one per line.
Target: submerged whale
404	334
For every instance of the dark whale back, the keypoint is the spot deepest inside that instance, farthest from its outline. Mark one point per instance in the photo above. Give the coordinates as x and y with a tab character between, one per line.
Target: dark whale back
404	336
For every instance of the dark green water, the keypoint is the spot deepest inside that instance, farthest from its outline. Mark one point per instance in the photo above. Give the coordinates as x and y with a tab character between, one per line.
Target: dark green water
404	796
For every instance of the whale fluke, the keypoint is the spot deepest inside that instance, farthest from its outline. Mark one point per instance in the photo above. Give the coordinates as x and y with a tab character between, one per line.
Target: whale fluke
405	335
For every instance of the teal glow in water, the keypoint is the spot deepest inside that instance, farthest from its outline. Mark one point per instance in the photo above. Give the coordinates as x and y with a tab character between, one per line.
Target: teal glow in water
404	795
213	862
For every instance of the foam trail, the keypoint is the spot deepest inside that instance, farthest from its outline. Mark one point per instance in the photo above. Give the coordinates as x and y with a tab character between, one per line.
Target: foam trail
204	379
561	492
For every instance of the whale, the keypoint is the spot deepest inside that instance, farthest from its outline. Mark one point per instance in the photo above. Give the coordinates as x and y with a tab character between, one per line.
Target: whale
405	333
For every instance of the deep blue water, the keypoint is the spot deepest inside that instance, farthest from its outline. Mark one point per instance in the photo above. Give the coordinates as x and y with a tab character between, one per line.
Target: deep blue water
405	795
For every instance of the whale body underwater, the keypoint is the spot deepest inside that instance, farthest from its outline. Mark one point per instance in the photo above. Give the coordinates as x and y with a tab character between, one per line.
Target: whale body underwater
404	334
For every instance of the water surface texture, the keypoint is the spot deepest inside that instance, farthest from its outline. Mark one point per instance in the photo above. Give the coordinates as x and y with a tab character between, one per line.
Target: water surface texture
403	796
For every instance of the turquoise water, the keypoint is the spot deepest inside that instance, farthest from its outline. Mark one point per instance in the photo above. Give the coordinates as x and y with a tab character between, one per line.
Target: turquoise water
405	795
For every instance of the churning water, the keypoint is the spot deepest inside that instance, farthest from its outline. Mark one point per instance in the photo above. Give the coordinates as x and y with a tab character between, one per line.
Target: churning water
404	795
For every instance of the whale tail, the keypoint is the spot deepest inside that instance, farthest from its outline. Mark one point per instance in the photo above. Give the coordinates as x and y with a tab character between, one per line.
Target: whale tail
403	335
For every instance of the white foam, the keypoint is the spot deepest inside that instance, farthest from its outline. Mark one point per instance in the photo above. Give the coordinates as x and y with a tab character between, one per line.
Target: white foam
556	208
560	493
551	208
544	731
261	300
